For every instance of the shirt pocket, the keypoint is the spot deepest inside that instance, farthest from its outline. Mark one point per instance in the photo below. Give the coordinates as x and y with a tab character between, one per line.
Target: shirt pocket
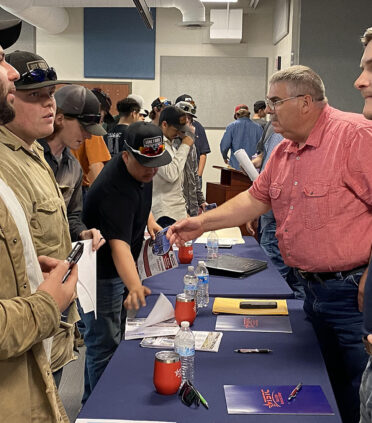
316	210
276	196
47	222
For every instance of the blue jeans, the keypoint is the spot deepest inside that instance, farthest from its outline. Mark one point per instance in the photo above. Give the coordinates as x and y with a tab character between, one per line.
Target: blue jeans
366	394
102	336
269	244
332	307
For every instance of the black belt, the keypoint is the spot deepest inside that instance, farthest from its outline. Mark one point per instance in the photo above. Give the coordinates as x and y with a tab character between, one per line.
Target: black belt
325	276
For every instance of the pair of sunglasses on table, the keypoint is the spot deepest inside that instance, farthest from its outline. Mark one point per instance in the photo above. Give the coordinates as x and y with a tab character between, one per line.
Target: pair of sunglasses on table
190	395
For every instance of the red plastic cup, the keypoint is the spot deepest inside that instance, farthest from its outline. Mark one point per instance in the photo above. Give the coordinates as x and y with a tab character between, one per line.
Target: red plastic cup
167	372
185	253
185	309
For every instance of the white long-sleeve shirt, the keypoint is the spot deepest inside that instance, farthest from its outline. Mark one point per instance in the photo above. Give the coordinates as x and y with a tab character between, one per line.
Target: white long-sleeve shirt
167	194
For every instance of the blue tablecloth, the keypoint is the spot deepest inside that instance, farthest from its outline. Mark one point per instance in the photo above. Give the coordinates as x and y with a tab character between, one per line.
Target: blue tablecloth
126	391
265	284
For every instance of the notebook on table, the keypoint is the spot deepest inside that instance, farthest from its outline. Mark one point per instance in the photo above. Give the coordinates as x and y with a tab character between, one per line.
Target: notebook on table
230	265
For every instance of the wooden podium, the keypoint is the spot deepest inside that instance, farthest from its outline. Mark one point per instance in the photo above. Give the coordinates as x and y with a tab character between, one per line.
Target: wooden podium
232	182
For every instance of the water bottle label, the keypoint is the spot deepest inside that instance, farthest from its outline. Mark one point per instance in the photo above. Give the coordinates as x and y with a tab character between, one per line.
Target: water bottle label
185	351
203	279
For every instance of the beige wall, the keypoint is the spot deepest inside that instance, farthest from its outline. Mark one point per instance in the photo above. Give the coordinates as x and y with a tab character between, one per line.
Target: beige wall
65	53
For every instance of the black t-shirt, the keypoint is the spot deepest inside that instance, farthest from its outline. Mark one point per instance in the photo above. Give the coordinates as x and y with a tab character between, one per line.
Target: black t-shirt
119	206
115	139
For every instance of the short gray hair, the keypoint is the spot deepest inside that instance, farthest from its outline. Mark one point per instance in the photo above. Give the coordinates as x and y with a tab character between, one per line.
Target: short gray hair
302	80
367	36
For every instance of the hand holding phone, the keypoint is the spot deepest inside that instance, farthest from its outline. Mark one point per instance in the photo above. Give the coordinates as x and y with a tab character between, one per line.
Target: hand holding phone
73	258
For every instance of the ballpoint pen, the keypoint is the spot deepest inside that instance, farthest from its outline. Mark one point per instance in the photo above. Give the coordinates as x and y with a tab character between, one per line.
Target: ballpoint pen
295	391
252	350
202	399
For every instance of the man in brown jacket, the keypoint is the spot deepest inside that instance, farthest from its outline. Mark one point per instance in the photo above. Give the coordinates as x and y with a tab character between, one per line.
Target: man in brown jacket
30	309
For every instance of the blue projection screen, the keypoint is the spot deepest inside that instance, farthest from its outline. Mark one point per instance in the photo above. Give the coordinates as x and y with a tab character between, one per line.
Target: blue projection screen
117	44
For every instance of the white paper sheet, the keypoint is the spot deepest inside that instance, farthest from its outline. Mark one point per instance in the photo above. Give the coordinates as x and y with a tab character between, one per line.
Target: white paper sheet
246	164
225	236
87	283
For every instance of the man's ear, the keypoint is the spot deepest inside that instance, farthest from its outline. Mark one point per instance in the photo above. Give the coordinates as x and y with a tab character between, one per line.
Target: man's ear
125	156
59	119
307	103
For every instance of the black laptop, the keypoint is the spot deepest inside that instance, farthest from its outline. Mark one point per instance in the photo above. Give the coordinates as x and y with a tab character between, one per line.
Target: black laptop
230	265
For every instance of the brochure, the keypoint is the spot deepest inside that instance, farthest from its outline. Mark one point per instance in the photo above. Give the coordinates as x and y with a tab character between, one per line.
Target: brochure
204	341
254	323
270	399
156	256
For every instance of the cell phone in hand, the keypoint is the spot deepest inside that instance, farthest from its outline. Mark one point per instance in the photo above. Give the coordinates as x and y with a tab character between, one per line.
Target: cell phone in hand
73	258
210	206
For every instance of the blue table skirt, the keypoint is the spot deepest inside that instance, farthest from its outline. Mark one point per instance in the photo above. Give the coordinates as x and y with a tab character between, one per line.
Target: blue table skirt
126	391
265	284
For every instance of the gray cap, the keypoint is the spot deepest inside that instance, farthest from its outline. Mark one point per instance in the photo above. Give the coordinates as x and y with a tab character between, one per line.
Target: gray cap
78	102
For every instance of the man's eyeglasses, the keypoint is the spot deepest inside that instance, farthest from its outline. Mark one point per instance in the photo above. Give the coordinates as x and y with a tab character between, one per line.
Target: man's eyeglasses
188	108
273	104
150	151
38	75
166	103
88	118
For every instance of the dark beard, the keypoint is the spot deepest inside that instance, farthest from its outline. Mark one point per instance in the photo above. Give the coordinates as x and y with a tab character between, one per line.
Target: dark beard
7	112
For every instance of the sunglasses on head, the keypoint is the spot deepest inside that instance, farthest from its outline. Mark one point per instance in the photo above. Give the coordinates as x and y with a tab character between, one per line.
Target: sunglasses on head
150	151
89	118
189	109
38	75
189	395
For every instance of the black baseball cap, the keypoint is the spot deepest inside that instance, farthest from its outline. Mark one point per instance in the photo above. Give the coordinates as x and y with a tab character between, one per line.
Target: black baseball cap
78	102
174	116
185	97
145	141
33	69
9	32
161	101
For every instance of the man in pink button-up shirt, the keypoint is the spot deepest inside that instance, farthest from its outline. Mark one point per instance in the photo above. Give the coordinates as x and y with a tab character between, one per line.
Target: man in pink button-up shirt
318	183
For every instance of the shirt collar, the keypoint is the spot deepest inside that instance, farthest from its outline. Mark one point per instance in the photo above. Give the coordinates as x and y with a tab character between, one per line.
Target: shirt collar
14	142
314	138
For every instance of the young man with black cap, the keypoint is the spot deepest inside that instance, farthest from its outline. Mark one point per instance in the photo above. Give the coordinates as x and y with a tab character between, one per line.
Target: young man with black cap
119	204
77	118
30	308
31	178
191	191
169	203
156	108
128	109
201	140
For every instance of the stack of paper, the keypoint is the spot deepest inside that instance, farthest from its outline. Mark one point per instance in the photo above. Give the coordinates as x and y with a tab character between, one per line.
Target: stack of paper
255	399
204	341
254	323
159	322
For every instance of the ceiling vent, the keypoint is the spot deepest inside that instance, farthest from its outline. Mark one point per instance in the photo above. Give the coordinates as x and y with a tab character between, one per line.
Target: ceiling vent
227	26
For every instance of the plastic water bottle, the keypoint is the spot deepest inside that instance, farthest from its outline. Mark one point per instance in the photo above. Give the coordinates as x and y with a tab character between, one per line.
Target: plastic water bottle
202	295
184	345
212	246
190	282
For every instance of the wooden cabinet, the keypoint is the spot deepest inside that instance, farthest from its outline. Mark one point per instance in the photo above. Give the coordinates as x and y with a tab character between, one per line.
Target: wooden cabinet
232	182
